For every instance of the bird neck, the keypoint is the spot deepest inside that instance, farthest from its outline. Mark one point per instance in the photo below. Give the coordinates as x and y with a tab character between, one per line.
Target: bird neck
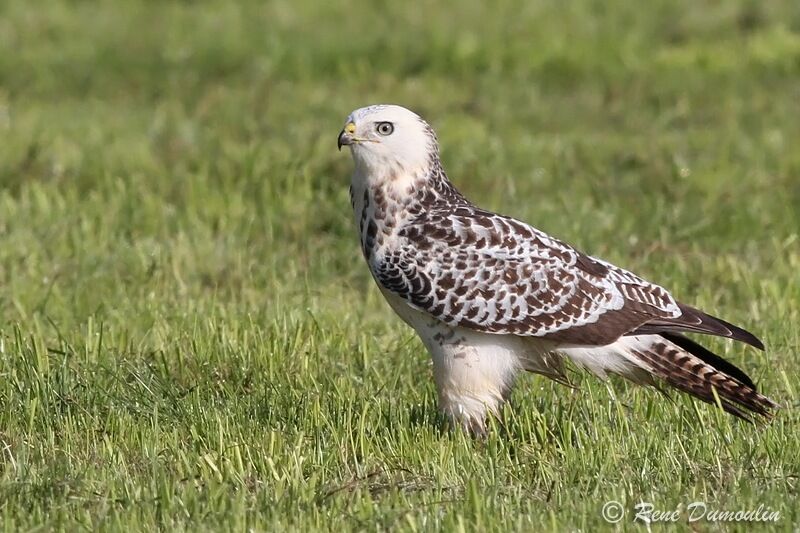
382	205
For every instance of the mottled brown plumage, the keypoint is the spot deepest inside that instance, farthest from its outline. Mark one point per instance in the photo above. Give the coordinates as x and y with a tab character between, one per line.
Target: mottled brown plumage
490	295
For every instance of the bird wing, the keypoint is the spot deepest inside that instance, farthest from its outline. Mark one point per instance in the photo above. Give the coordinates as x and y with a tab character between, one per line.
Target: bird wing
491	273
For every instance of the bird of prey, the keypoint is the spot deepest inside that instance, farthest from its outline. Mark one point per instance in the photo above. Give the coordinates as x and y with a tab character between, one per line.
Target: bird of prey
490	296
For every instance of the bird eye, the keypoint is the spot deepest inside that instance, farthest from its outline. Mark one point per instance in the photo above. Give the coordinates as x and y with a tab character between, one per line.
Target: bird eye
385	128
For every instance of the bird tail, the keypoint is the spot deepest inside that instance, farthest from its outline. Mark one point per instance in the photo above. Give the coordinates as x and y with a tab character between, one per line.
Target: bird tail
681	363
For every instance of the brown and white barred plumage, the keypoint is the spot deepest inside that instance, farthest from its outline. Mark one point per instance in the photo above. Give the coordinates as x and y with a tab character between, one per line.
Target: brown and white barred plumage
490	295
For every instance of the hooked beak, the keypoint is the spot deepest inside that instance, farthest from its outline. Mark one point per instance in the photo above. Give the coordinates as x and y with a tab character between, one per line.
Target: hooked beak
346	135
345	139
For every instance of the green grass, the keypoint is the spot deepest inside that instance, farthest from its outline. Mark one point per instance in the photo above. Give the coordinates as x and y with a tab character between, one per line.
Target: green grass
189	338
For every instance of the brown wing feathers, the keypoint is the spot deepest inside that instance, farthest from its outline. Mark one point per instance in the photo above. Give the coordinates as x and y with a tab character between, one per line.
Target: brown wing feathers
692	368
696	321
497	275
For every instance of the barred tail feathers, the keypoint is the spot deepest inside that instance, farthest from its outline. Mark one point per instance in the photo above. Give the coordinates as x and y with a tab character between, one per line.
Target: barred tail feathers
681	363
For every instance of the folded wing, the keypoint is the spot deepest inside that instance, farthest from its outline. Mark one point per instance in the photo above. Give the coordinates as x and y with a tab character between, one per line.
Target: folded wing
491	273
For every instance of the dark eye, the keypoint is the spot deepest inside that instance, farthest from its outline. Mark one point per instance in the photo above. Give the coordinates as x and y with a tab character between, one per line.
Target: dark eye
385	128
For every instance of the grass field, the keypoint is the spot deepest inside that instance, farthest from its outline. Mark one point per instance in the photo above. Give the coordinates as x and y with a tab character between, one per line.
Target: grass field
189	338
